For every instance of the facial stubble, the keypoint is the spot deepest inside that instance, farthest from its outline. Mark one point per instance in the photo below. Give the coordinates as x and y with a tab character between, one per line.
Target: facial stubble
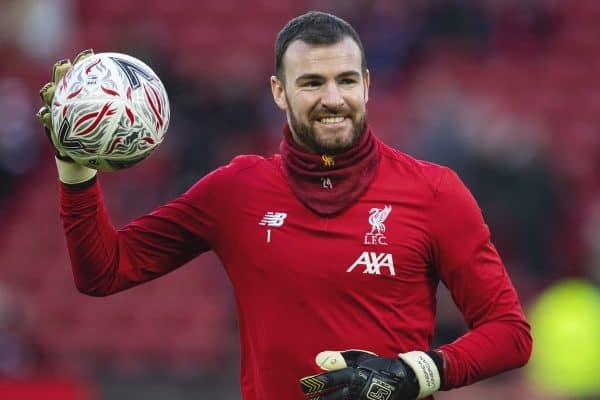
308	137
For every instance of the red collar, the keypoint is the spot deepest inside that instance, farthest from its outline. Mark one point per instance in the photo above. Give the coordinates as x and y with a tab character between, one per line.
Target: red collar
329	184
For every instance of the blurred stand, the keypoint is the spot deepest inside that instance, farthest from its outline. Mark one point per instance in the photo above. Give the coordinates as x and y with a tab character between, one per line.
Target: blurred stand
20	354
25	370
505	92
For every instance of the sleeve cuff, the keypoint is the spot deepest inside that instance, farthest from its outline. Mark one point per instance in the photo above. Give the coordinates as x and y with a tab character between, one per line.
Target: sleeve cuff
72	173
426	371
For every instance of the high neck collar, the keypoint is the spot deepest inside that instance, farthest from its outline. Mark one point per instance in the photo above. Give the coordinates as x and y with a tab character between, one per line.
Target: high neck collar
328	184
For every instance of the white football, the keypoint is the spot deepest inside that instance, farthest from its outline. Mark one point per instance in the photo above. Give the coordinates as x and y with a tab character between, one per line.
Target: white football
109	112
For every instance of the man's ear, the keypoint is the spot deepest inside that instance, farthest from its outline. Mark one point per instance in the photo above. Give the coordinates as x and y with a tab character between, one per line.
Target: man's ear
278	93
367	83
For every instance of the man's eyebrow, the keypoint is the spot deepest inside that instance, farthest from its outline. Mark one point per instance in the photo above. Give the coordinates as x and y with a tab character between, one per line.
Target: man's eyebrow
345	74
308	77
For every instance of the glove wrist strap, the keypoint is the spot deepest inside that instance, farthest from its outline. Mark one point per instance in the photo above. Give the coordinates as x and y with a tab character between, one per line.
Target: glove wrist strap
425	370
72	173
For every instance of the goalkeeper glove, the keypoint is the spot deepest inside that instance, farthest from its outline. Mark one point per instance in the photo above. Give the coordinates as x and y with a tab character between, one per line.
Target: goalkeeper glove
68	171
361	375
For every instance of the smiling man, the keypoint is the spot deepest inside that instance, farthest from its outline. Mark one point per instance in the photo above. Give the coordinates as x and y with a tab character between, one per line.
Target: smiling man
339	242
324	90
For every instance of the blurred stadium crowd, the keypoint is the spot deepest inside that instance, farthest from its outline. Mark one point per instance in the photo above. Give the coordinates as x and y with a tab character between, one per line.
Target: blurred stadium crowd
506	92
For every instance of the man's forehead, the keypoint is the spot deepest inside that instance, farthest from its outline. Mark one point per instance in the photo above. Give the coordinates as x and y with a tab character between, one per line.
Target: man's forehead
301	57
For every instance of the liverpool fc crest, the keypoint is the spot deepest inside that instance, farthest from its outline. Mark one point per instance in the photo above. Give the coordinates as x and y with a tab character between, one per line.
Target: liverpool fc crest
377	217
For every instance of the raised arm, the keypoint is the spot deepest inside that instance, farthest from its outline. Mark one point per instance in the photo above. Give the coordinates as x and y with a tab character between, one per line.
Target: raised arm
106	260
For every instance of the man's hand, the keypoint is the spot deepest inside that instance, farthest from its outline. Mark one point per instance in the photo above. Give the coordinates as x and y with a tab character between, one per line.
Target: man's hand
361	375
68	171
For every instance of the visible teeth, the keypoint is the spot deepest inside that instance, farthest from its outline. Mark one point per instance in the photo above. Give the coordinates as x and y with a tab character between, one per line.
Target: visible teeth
331	120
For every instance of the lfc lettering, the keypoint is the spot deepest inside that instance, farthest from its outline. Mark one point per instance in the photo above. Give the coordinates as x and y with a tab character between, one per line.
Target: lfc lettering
375	239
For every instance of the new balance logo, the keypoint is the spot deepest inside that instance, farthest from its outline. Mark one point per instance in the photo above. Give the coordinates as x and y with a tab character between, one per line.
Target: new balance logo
373	262
275	219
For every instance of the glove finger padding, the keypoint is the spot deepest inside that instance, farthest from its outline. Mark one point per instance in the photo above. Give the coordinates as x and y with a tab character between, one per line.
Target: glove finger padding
45	117
332	360
327	382
83	55
68	171
360	375
380	378
340	394
59	70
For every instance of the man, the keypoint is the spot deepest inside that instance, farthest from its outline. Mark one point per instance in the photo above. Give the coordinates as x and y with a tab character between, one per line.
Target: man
337	243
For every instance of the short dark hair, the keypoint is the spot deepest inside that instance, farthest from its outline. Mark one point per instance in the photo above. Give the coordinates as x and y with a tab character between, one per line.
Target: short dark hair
314	28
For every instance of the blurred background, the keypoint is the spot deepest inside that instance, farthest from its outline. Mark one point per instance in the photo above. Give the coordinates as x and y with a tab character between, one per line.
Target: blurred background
506	92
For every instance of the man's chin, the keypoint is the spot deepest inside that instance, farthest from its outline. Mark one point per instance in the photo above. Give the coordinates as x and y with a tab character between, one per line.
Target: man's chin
339	143
336	146
335	142
321	139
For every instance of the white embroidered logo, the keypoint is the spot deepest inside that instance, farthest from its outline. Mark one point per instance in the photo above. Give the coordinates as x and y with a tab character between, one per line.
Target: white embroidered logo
373	263
379	390
377	218
273	219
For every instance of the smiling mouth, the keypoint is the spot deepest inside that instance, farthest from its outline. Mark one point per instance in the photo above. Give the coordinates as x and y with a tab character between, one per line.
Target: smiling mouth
331	120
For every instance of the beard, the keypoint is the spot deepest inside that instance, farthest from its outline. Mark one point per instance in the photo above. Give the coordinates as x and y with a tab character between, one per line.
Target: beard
307	135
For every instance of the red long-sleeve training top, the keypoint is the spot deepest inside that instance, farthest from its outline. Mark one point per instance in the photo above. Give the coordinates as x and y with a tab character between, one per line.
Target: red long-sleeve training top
363	279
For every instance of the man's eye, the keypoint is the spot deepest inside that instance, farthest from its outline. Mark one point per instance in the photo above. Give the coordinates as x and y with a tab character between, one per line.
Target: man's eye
348	81
312	83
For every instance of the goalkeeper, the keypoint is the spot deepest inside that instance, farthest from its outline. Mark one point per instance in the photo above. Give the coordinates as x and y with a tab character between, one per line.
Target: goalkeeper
335	247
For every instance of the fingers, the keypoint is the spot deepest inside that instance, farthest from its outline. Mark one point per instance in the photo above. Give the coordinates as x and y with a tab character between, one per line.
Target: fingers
332	360
354	357
83	55
59	69
339	394
47	93
45	117
325	382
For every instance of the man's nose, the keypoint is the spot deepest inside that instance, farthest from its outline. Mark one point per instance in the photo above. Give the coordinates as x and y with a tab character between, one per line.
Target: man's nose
332	96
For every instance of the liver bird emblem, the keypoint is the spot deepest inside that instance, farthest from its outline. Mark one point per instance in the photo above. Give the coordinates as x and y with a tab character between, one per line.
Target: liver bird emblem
376	218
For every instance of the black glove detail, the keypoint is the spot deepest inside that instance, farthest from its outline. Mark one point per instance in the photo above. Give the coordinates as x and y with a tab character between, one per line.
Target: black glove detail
367	377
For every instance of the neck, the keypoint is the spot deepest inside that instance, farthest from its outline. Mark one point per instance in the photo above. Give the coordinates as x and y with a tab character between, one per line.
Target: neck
329	183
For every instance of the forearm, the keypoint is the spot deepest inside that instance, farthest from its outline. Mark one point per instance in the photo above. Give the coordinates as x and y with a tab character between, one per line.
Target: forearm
499	338
91	240
106	260
487	350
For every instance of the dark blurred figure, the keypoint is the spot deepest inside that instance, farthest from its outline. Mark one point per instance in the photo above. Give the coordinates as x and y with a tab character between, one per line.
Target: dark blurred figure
502	157
461	23
20	355
524	25
519	194
216	123
19	138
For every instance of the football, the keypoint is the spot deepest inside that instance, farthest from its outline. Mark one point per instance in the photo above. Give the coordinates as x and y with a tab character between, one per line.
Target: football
109	112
